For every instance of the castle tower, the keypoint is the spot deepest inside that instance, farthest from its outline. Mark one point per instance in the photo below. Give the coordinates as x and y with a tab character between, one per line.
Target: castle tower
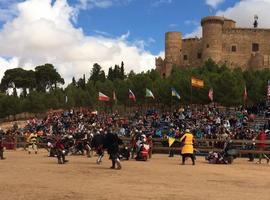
229	24
173	47
212	37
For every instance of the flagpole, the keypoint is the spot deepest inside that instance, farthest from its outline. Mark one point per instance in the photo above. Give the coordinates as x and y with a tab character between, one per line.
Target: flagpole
191	94
171	102
129	106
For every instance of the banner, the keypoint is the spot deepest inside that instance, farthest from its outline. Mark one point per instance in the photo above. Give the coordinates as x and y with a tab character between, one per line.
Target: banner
211	94
103	97
114	96
245	93
175	94
131	95
171	141
149	93
198	83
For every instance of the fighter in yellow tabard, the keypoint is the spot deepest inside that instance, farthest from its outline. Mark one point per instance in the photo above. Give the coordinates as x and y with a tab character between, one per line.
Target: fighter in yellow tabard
187	149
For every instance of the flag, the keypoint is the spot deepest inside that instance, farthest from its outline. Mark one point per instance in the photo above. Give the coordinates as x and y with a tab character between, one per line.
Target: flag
171	141
198	83
114	96
131	95
245	93
66	99
211	94
175	94
103	97
149	93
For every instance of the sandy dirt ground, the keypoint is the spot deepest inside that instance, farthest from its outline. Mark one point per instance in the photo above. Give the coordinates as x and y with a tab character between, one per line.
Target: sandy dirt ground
38	177
8	125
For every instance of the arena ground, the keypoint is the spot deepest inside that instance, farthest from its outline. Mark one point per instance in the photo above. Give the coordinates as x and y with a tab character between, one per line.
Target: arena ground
38	177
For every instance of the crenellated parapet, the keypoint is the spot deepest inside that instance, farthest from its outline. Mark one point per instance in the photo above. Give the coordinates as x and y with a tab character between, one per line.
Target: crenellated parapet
222	41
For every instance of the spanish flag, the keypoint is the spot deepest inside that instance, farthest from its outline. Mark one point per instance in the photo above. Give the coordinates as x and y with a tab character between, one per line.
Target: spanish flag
198	83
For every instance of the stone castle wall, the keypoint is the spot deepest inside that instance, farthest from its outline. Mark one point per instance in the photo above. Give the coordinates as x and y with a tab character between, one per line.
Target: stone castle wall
221	41
192	48
244	56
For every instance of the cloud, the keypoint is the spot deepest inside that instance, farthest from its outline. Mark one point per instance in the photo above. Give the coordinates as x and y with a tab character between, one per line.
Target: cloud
157	3
8	9
191	22
104	33
43	32
214	3
196	33
243	13
89	4
173	25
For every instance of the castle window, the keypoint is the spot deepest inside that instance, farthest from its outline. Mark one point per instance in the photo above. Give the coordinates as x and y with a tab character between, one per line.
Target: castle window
164	75
199	55
207	46
255	47
233	48
185	57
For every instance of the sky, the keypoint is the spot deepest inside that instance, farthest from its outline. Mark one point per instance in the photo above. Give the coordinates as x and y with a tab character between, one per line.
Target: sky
75	34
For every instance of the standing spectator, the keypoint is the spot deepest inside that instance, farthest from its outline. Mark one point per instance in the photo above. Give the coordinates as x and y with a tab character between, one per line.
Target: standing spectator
262	145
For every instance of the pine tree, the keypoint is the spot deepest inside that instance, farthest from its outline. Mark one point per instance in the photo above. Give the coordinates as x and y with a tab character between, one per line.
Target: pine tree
74	81
122	71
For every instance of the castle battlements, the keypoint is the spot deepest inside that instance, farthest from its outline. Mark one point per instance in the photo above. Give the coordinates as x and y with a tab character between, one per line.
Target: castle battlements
221	41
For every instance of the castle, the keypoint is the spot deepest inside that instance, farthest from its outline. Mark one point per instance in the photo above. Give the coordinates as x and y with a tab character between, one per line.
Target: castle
221	41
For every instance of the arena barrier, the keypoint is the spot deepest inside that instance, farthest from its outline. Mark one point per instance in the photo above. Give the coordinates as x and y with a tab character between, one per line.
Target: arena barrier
161	145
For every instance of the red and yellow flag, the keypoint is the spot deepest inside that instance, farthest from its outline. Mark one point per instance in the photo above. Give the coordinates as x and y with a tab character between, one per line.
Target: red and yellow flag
198	83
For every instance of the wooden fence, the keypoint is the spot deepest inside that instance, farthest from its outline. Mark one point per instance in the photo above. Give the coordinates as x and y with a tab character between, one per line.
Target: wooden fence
202	146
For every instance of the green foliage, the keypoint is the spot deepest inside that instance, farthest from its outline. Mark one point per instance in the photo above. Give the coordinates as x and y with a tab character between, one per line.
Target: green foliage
47	77
97	74
40	90
116	73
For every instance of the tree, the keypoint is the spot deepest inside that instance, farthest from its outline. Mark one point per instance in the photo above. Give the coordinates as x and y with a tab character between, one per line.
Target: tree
122	71
18	78
131	74
110	74
74	81
81	83
47	77
97	74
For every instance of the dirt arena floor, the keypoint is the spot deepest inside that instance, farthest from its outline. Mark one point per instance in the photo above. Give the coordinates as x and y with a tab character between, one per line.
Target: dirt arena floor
38	177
